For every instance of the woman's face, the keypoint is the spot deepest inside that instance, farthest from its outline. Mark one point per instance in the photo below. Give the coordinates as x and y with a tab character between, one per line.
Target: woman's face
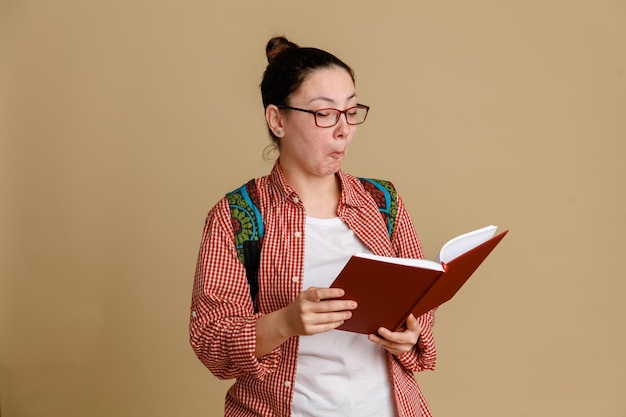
306	148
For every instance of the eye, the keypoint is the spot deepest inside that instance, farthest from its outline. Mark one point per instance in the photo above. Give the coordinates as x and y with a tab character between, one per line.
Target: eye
324	113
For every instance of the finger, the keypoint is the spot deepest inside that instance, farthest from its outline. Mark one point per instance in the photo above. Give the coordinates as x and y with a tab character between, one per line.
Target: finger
321	328
405	336
325	300
334	317
388	345
326	321
384	337
326	306
376	339
317	294
391	347
412	324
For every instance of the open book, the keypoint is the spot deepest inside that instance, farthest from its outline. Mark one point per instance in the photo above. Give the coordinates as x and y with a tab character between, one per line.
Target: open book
388	289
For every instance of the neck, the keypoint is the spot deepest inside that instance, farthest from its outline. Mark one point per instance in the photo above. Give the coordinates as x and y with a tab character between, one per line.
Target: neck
320	195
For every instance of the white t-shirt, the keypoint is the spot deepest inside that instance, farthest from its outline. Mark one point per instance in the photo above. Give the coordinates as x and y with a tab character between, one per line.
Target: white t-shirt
338	373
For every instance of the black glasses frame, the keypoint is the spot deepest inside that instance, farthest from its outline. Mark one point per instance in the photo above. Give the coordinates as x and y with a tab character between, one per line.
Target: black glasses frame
339	113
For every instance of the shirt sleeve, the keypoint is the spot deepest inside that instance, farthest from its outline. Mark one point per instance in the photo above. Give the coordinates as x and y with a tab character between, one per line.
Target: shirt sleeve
406	244
222	327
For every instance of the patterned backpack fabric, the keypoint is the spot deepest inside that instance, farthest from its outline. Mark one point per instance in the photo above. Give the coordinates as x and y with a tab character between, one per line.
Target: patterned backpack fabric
386	198
249	231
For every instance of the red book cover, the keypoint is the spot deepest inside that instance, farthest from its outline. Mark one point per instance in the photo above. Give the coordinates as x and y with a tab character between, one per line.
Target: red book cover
387	290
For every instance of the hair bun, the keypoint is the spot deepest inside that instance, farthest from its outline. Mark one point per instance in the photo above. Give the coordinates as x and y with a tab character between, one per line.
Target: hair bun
276	46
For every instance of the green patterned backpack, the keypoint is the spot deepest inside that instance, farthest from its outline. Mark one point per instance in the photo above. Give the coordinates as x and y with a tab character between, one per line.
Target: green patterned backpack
249	231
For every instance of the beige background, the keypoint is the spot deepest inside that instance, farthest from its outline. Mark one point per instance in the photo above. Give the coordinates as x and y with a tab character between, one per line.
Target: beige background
122	122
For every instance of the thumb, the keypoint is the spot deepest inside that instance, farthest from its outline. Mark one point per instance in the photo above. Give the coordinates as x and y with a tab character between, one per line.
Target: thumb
412	323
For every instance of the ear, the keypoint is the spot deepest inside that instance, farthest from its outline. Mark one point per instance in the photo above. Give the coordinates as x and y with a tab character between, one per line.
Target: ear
274	119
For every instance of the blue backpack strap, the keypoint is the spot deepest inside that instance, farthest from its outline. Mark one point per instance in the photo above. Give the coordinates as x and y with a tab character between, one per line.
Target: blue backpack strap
249	231
386	198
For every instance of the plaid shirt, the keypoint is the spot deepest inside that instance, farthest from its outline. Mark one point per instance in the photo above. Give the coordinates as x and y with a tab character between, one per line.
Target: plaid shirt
222	323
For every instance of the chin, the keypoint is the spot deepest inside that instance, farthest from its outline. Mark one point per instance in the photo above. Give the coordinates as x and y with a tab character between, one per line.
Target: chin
332	170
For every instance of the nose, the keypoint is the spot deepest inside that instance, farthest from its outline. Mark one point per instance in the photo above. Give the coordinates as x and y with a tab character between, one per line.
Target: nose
342	128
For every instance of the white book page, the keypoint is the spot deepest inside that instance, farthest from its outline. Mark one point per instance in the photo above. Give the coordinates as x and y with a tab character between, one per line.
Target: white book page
422	263
450	250
463	243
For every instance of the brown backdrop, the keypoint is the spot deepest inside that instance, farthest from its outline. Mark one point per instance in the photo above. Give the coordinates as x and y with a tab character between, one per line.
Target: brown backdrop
124	121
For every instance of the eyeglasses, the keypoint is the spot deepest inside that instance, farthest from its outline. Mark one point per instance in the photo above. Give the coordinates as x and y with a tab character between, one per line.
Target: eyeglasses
330	117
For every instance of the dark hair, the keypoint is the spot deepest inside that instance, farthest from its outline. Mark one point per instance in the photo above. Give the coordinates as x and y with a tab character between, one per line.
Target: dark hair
287	68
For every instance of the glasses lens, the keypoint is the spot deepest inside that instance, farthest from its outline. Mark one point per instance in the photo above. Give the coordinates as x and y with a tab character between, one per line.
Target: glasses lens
326	117
356	115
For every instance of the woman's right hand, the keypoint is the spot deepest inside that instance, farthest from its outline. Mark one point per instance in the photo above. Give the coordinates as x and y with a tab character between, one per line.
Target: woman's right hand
314	311
317	310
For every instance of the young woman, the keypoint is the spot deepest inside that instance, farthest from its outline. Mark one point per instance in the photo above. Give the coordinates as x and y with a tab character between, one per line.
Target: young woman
287	357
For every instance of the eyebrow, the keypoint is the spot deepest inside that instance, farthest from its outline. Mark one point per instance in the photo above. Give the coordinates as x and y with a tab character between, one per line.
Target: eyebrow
330	100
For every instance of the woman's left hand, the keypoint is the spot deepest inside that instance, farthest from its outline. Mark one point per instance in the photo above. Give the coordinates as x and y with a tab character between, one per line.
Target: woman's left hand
401	341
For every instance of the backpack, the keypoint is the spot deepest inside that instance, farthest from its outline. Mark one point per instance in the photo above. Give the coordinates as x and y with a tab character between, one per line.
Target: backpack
249	231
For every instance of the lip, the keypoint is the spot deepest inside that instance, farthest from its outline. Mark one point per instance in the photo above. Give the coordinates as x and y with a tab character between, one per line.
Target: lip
337	154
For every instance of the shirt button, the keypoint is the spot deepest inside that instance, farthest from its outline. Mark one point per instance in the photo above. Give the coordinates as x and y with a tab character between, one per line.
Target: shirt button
194	314
295	199
287	384
295	279
298	234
